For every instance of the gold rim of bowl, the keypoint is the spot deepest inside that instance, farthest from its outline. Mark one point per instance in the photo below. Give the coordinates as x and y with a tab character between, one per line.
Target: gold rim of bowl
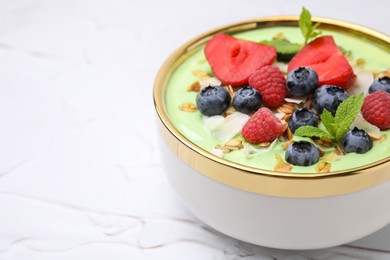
281	184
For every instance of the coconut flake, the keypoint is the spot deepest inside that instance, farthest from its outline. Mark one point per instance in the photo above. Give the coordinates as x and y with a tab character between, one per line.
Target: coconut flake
217	152
361	123
280	115
282	66
296	100
249	150
364	79
213	122
229	126
210	82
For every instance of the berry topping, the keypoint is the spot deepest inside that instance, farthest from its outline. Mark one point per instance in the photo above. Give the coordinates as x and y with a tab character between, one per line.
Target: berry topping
302	153
301	81
376	109
324	56
329	97
271	84
356	141
247	100
234	60
262	127
213	100
302	117
380	84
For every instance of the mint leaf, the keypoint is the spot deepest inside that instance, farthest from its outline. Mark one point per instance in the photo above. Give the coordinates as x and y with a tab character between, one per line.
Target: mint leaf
346	113
284	46
285	50
329	122
311	131
305	24
314	34
314	27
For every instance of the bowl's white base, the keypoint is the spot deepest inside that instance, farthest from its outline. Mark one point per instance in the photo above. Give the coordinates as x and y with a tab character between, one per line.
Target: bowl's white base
288	223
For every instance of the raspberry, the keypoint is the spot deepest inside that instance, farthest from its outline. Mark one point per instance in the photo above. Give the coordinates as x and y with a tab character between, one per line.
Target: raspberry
271	84
376	109
262	127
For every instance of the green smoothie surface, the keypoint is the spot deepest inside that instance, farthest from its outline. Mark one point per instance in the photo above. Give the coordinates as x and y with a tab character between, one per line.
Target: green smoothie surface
191	124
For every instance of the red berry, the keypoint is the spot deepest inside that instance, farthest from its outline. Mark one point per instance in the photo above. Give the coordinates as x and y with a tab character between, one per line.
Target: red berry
234	60
376	109
325	58
262	127
271	84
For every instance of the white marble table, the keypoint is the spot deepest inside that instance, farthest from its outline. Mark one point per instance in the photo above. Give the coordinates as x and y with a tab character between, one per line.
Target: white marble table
80	173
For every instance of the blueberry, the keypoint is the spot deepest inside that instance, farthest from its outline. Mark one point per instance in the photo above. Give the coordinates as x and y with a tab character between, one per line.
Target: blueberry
380	84
356	141
329	97
301	81
213	100
302	117
247	100
302	153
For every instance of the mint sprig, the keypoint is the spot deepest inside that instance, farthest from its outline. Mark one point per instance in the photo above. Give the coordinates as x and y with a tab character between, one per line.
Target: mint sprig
346	113
308	30
329	122
311	131
336	126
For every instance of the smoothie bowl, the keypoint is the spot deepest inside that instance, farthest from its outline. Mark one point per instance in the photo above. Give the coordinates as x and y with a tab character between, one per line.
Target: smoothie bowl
240	170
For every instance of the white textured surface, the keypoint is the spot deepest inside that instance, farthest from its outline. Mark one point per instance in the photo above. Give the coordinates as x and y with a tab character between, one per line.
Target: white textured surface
80	174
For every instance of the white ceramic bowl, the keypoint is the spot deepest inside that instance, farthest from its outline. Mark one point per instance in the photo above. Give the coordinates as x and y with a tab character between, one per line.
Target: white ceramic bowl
280	210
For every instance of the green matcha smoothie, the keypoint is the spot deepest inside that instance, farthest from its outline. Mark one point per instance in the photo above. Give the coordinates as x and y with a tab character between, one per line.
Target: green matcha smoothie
191	124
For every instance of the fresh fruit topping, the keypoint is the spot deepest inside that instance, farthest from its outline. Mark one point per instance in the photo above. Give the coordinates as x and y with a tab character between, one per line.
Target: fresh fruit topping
302	117
308	30
323	56
233	60
302	153
213	100
301	81
376	109
271	84
247	100
380	84
329	97
356	141
285	50
262	127
336	125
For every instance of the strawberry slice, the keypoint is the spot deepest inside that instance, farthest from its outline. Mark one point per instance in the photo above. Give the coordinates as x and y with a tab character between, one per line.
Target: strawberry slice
234	60
325	58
